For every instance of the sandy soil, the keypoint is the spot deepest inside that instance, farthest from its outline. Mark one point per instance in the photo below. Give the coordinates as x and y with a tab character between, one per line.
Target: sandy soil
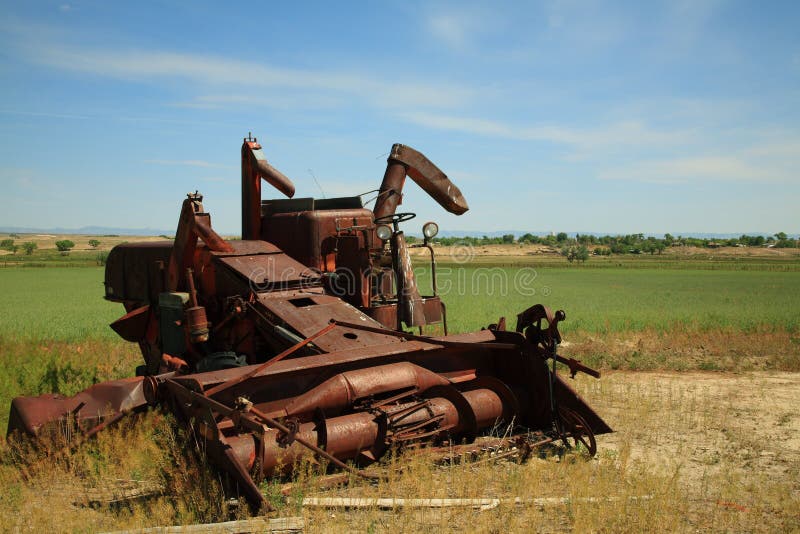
703	425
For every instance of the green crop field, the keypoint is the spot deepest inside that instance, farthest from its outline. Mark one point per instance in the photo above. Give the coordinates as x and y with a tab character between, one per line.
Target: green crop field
66	304
54	334
613	300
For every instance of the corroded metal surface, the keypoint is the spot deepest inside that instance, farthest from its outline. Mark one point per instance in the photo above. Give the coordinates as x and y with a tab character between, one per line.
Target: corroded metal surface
274	349
404	160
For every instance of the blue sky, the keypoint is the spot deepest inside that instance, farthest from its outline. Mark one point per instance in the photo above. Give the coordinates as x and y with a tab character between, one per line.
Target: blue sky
682	116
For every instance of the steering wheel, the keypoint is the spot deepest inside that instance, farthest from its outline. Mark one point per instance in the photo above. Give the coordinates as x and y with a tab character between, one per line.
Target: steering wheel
395	218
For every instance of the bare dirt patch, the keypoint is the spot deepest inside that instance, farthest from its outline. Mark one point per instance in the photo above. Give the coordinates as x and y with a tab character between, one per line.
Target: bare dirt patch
702	424
731	441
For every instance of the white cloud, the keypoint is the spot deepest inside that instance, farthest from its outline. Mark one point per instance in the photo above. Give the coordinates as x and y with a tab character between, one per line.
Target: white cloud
628	133
215	71
759	156
451	28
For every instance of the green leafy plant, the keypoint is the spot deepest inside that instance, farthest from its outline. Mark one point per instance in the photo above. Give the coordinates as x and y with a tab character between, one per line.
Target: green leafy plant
64	246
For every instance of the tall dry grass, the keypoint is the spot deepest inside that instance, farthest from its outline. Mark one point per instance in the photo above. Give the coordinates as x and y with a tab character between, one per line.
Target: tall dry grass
713	452
688	349
57	488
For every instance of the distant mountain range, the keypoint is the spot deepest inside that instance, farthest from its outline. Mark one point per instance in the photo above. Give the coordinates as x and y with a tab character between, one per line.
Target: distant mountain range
105	230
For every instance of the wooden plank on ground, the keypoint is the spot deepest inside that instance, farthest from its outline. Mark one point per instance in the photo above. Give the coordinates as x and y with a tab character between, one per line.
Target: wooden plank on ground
480	504
258	524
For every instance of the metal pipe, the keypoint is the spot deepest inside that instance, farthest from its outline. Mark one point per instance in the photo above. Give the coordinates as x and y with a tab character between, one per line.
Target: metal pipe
390	194
342	390
430	178
254	168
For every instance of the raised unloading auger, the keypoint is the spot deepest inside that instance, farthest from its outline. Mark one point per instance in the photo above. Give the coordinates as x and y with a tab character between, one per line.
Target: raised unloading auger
295	339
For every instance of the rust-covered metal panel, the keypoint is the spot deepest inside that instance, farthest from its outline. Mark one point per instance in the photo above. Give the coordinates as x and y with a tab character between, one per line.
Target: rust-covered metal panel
245	248
309	313
267	271
133	273
133	325
86	409
311	237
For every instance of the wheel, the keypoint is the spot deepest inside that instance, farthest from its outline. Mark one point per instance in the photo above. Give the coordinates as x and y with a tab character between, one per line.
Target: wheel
572	425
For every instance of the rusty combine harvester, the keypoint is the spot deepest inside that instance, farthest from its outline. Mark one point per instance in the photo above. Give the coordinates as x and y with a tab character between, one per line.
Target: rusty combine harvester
296	338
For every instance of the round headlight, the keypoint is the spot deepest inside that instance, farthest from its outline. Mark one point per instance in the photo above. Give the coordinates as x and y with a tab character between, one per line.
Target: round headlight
384	232
430	229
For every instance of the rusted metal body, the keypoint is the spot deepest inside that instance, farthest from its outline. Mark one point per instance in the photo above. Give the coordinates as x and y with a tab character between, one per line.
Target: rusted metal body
294	340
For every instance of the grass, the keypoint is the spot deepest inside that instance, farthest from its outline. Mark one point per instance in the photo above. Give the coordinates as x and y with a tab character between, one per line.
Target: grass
50	490
701	451
699	262
55	305
698	447
640	319
54	334
604	301
54	338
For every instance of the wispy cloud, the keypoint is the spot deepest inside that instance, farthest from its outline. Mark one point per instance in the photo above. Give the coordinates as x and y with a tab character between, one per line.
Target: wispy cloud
626	133
585	25
278	100
453	27
215	71
787	148
42	114
760	156
700	169
188	163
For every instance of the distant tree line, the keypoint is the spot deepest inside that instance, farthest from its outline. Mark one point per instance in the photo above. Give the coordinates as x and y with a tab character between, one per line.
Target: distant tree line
622	244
